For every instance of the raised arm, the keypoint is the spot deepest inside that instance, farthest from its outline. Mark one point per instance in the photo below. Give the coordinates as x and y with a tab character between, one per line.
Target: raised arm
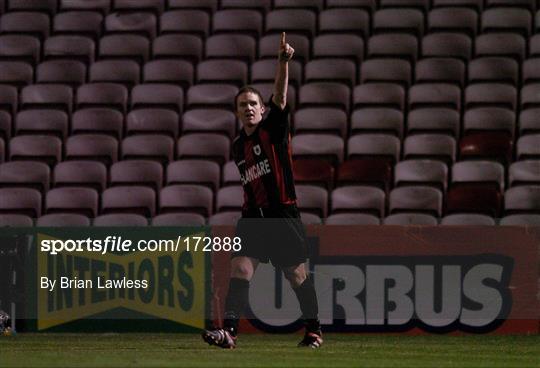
282	73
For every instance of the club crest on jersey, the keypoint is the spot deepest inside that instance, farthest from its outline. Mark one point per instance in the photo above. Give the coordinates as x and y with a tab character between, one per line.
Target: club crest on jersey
257	149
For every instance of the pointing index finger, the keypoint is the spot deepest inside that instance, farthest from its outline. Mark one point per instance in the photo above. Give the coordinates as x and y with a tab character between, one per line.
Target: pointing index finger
283	39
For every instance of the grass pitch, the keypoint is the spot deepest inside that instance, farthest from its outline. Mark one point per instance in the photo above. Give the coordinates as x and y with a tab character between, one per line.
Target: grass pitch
339	350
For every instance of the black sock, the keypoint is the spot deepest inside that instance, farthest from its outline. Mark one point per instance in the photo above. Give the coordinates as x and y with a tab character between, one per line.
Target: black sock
237	299
308	305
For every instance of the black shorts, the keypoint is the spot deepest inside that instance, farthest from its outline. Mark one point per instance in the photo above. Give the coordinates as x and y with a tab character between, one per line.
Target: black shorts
275	235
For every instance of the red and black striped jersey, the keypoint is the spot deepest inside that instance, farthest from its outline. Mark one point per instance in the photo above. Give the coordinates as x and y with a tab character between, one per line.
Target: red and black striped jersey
264	160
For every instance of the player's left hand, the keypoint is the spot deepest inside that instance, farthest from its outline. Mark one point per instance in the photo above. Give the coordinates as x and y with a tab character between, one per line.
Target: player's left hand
285	50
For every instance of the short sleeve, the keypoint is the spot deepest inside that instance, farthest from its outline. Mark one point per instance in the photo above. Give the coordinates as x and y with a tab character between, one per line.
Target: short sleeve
277	122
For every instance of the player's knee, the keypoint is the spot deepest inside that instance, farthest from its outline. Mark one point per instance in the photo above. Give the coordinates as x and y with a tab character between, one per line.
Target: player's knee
242	271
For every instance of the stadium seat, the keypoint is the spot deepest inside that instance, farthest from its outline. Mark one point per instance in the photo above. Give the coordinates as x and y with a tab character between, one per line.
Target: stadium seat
229	218
154	6
244	21
366	171
98	120
523	199
102	95
156	147
299	21
186	198
211	95
489	119
331	70
418	198
528	147
178	46
316	5
386	71
222	71
356	198
490	94
453	19
209	121
350	46
210	146
15	220
229	198
155	95
8	99
396	20
534	46
377	120
260	5
137	172
312	199
95	147
126	72
506	19
25	22
178	219
5	125
477	5
123	219
190	21
447	45
433	95
430	146
440	70
526	4
502	45
153	121
143	23
490	145
433	120
199	172
468	219
69	48
530	71
21	201
25	174
520	220
53	96
393	45
374	145
321	146
528	121
421	172
102	6
493	70
320	120
406	219
488	172
42	121
379	95
530	97
231	46
45	6
90	174
129	199
20	48
325	94
70	72
80	23
16	73
82	201
124	46
313	171
41	148
352	219
209	6
525	172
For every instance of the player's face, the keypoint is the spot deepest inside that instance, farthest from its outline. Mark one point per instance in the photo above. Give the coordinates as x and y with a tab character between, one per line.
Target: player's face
249	109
